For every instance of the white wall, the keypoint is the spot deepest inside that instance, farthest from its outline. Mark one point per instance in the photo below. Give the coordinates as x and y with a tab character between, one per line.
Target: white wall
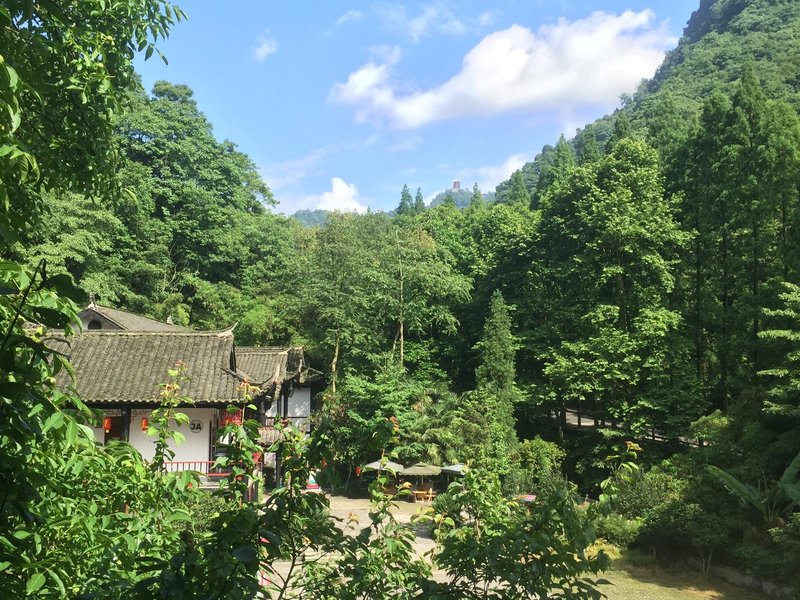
198	434
300	403
99	434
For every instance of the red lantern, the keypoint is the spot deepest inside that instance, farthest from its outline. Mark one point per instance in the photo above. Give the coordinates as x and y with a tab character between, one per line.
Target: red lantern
358	471
144	424
107	424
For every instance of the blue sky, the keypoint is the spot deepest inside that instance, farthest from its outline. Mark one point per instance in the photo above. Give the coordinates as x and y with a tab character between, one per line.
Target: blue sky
340	104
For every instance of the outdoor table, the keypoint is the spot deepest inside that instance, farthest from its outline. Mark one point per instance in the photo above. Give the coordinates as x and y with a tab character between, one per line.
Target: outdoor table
421	495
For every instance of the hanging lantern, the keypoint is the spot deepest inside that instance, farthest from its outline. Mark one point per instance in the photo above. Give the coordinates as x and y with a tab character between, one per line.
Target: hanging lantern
107	424
144	424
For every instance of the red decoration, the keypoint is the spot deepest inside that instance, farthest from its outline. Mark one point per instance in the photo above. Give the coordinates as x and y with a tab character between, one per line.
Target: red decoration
235	418
107	424
358	471
144	424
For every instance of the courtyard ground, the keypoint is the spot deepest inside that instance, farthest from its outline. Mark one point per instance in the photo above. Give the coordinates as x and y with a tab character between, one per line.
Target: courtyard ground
629	581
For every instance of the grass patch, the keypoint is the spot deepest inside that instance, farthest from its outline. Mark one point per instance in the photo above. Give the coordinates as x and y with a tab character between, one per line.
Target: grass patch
637	576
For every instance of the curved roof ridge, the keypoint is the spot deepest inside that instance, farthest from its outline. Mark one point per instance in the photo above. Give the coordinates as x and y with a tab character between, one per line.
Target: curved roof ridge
153	333
125	319
271	348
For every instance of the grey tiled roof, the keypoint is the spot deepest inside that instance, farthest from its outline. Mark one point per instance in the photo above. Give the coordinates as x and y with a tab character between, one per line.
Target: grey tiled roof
268	364
130	321
128	366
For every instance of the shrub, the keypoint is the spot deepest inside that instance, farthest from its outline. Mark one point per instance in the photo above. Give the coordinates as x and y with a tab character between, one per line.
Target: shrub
646	491
678	527
785	553
510	549
203	509
539	466
617	529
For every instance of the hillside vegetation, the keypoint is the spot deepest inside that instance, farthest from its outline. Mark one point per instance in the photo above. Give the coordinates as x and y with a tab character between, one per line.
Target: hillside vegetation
645	274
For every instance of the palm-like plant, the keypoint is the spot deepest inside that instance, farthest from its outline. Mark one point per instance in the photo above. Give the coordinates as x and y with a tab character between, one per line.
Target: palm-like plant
770	501
434	430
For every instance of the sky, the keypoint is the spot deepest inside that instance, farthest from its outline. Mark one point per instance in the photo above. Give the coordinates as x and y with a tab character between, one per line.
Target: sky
340	104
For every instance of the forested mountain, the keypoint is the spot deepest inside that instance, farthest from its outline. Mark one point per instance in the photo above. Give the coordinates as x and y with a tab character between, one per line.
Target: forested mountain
311	218
461	198
644	272
721	40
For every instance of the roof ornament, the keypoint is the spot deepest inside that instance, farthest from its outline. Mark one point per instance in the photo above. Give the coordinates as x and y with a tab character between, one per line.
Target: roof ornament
91	300
169	320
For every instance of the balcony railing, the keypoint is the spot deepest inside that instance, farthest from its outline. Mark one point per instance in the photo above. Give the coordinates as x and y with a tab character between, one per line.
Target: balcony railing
205	467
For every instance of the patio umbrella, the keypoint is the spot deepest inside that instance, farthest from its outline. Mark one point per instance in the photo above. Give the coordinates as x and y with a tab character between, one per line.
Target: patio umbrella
376	465
456	469
422	469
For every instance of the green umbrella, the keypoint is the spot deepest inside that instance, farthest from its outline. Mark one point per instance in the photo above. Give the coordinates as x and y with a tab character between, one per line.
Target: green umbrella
457	469
388	465
422	469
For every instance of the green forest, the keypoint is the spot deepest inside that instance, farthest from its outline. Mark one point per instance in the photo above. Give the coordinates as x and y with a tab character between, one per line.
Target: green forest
642	277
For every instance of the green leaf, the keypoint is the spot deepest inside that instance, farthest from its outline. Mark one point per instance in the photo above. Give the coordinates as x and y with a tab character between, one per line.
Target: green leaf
792	491
72	432
65	287
49	316
746	493
35	582
789	476
178	516
56	420
245	554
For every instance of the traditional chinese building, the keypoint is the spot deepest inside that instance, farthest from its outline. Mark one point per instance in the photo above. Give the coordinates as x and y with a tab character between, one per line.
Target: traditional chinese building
121	359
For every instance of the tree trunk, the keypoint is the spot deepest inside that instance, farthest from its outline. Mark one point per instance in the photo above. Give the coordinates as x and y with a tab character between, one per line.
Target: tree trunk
402	318
334	360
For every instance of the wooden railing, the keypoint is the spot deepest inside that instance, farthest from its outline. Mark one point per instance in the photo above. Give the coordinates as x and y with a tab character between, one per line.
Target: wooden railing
206	467
201	466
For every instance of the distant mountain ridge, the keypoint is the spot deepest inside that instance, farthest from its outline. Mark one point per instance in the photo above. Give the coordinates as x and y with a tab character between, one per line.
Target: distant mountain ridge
311	218
461	198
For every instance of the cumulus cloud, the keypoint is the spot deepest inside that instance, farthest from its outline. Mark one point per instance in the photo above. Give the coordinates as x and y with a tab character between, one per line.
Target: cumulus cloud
569	64
433	19
265	46
489	176
342	196
350	15
291	172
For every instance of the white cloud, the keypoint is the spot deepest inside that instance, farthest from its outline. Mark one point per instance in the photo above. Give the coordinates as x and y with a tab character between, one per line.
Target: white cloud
343	196
488	176
350	15
562	66
288	173
266	45
434	18
486	18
